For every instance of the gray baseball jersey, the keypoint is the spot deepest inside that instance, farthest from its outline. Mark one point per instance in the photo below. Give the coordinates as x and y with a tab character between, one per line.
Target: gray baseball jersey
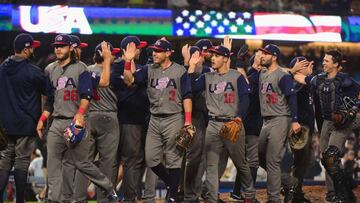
272	97
68	90
222	93
164	87
104	98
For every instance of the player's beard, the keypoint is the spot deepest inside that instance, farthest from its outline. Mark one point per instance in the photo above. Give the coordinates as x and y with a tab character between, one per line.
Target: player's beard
266	64
63	57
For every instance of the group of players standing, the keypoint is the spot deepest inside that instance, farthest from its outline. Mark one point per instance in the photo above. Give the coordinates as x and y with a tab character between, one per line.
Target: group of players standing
134	112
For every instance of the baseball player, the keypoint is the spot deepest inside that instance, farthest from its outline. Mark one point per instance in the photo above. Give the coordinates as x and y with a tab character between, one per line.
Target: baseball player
194	168
332	88
300	161
252	124
69	91
169	92
279	111
226	94
78	45
21	86
67	164
103	122
133	116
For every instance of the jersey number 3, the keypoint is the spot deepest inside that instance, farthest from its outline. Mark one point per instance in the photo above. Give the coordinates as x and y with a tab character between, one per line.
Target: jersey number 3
71	95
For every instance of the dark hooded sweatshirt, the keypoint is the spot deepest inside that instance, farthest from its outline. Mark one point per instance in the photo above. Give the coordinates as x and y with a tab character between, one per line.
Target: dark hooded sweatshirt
21	86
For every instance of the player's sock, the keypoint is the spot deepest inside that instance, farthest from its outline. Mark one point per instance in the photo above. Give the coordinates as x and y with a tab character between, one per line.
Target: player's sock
237	185
20	184
162	172
174	178
4	177
253	171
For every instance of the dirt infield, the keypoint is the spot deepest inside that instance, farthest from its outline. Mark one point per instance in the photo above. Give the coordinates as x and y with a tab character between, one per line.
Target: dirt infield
314	193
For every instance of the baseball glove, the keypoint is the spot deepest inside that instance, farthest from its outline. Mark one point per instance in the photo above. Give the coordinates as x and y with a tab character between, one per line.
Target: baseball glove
343	118
231	130
298	140
74	133
3	139
185	136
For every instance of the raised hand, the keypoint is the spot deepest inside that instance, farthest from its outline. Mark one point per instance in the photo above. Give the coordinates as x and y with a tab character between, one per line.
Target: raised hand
299	65
130	51
105	51
195	59
227	42
185	51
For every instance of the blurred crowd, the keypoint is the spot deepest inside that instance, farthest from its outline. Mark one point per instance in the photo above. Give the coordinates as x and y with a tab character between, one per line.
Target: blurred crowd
340	7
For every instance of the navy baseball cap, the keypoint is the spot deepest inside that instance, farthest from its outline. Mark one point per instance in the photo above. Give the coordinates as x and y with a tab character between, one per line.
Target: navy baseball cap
127	40
113	50
62	39
162	45
204	44
25	40
293	61
272	50
193	49
76	42
221	50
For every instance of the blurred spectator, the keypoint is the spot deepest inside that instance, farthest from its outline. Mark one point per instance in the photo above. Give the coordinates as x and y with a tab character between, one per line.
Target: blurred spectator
178	3
35	168
340	7
357	165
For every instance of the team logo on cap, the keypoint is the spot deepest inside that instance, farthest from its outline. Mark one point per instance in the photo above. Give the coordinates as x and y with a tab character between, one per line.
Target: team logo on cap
59	38
158	42
27	44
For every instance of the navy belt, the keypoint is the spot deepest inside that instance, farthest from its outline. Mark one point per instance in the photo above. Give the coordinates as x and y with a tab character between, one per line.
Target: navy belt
220	118
62	117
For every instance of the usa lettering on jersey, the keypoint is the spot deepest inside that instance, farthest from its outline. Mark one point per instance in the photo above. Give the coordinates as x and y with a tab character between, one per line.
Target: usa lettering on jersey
65	82
224	87
270	92
164	83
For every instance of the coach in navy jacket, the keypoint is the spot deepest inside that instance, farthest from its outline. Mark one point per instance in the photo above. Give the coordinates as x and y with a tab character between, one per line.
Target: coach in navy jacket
21	86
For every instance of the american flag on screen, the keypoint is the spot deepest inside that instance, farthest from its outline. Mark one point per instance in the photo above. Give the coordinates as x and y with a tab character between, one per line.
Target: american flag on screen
275	26
208	24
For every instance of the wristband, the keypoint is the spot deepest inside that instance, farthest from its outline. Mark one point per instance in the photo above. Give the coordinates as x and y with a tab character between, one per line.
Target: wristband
81	111
43	118
127	66
188	118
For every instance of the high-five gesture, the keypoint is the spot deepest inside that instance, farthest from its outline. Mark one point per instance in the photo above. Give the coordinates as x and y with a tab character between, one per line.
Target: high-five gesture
195	59
227	42
185	51
130	52
105	51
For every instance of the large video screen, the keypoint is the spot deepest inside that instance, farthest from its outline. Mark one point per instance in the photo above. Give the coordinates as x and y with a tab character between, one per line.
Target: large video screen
166	22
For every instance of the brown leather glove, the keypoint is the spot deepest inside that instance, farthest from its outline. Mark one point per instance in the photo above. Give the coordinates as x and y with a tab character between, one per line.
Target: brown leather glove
231	130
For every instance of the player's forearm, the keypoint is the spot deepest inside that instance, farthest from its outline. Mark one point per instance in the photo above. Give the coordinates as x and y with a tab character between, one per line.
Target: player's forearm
105	74
187	103
84	105
128	75
292	102
300	78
